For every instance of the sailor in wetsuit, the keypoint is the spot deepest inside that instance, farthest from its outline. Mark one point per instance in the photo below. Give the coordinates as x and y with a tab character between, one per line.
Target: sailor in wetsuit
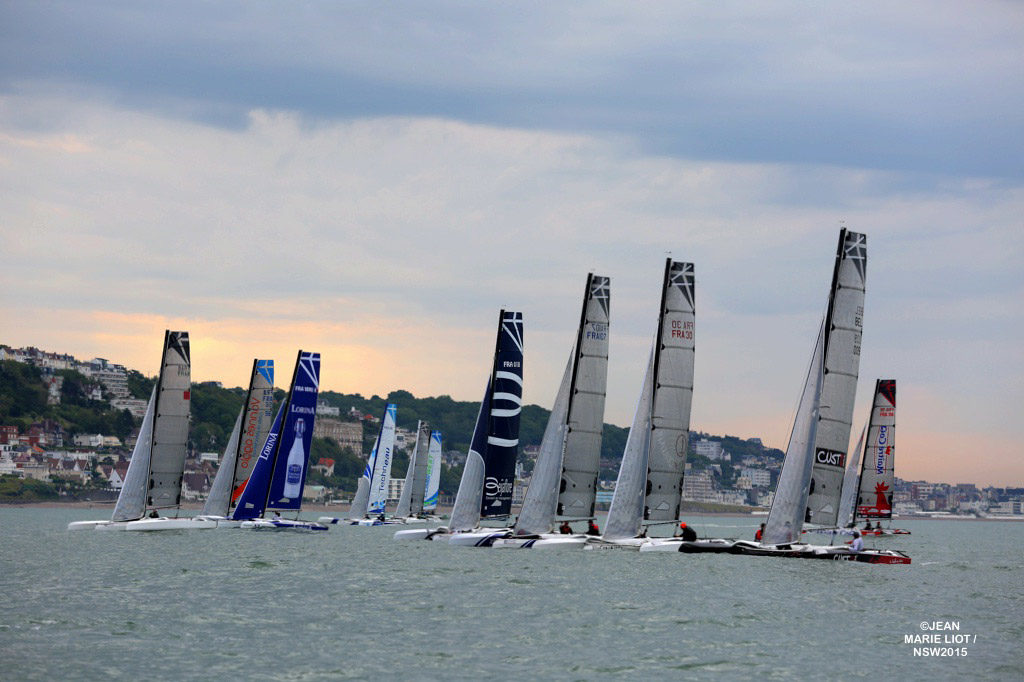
688	534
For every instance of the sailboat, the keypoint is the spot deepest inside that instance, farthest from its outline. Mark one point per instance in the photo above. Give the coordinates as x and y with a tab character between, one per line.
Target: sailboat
810	483
154	476
411	502
485	489
564	482
369	504
246	440
649	487
279	476
877	474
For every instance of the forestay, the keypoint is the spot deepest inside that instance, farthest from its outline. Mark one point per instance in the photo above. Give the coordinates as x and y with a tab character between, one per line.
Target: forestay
842	339
851	480
789	506
878	477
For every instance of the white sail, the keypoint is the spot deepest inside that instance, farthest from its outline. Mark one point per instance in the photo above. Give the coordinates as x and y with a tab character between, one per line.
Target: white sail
789	506
433	474
417	461
538	512
362	497
581	461
218	502
170	426
673	395
382	466
850	480
131	501
878	475
843	328
626	513
466	512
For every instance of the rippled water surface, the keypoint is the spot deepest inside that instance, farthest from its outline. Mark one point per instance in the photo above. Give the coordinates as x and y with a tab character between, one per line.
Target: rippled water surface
352	603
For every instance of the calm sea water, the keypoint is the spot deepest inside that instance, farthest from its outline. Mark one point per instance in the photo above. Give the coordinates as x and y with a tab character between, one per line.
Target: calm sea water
354	604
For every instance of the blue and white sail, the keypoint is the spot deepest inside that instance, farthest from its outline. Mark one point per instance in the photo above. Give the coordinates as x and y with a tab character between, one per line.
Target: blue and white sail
381	474
485	489
433	483
292	461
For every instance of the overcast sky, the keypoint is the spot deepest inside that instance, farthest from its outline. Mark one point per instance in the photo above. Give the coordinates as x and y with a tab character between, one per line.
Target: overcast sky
375	180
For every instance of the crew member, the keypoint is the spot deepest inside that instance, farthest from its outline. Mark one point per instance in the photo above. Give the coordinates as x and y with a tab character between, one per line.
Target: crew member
565	528
878	525
759	534
688	534
867	525
857	544
592	528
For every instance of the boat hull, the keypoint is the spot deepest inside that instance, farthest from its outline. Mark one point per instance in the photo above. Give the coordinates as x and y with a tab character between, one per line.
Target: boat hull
661	545
594	542
97	525
283	525
478	538
158	524
542	541
796	551
440	533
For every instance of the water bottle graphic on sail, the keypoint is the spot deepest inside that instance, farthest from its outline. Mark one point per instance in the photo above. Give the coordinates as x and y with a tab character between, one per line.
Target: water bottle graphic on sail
296	459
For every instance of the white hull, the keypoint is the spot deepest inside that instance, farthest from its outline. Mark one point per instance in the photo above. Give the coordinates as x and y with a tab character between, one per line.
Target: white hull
624	543
543	541
479	537
661	545
148	525
221	521
422	534
282	525
97	525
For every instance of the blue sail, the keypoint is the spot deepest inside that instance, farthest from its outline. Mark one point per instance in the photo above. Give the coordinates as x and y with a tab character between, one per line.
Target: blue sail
291	463
254	496
503	418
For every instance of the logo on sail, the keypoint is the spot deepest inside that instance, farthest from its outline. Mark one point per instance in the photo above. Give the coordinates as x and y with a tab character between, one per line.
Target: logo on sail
831	458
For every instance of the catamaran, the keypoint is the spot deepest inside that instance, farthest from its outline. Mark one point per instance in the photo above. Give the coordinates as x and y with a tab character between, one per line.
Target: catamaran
649	487
153	480
810	484
246	440
279	476
370	502
877	474
411	503
564	482
485	489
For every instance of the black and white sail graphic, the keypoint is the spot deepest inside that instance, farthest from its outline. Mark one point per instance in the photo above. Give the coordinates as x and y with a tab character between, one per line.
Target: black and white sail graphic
503	429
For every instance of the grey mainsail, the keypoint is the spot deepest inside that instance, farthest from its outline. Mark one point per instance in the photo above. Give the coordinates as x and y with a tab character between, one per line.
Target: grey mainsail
170	426
673	394
131	501
466	511
789	506
878	476
218	502
357	510
842	339
581	459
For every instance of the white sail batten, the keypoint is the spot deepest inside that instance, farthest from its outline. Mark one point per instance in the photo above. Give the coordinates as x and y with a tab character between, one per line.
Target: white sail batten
581	461
789	506
538	512
878	475
131	501
218	501
627	509
673	395
170	425
843	329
